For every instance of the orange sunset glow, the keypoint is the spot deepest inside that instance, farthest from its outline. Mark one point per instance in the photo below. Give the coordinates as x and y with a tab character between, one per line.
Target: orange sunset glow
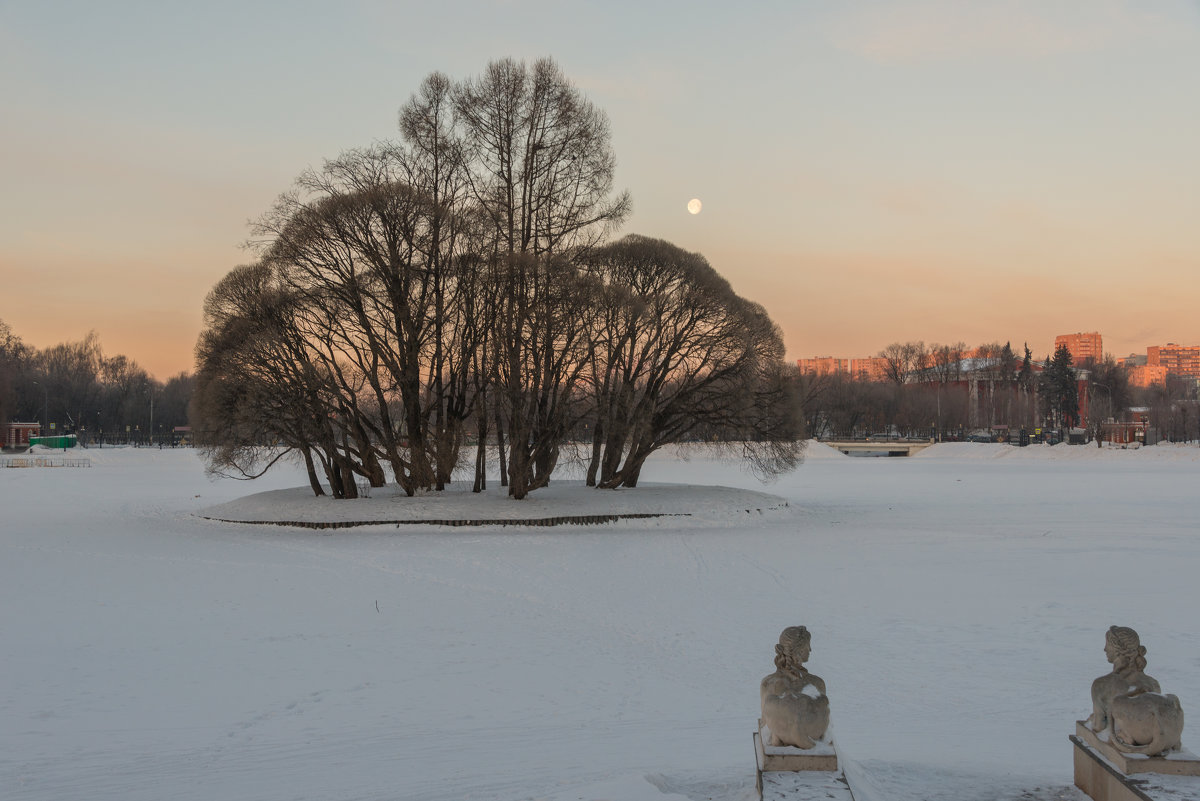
880	172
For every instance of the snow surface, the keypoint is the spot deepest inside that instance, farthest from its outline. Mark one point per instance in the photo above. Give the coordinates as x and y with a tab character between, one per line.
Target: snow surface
958	601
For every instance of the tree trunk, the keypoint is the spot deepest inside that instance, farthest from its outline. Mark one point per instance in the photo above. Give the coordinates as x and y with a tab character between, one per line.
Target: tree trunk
597	449
373	468
313	481
500	450
447	452
518	464
632	476
349	485
334	475
481	451
544	462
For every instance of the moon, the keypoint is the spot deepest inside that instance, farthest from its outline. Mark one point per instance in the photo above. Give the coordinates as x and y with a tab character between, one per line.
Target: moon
694	205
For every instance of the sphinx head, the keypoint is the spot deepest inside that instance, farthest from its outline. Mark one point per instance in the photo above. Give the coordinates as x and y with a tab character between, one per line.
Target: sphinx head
795	645
1124	649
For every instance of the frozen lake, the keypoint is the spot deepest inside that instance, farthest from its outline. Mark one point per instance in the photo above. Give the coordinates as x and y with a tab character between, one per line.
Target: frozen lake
958	602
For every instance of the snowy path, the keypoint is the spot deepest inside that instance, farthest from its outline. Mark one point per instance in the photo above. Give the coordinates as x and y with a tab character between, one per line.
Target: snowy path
958	601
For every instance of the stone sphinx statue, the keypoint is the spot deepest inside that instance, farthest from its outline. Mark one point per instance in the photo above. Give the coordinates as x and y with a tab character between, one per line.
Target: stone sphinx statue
1129	705
794	705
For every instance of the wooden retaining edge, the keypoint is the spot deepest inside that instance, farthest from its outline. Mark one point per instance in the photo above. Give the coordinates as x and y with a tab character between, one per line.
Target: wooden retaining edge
565	520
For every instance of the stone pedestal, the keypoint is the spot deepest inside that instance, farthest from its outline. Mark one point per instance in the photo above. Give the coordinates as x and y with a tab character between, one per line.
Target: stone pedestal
787	772
1105	774
790	758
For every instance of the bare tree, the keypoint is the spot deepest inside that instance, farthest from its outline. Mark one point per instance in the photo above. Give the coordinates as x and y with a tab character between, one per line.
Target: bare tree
435	164
259	395
902	361
540	166
14	359
946	361
812	391
70	373
375	260
682	352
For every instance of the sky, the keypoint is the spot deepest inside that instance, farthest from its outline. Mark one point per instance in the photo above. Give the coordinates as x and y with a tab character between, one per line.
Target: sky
870	172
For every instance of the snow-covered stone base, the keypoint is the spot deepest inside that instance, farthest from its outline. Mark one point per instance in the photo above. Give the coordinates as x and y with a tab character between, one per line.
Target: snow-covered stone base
804	774
1104	781
822	756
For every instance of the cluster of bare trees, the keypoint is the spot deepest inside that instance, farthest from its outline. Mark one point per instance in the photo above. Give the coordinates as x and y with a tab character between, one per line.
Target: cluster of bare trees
414	303
907	362
926	390
78	389
1174	408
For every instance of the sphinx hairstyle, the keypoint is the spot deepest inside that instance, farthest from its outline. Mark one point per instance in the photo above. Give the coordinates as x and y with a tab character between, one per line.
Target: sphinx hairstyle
1130	651
790	640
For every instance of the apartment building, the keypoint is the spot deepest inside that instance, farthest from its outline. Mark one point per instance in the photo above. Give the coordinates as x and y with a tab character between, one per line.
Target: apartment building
1081	346
1143	375
823	365
1180	360
870	368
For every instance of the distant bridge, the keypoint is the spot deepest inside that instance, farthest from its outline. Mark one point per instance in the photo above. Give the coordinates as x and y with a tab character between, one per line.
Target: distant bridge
892	447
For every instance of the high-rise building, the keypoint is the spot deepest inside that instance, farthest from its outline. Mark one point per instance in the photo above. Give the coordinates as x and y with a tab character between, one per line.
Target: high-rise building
1181	360
1081	346
823	365
869	368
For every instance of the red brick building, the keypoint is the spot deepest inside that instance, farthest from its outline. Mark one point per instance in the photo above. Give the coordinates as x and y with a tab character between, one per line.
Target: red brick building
16	435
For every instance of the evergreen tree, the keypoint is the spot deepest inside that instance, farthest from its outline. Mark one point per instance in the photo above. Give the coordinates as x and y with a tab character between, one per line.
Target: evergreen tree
1059	389
1025	376
1007	364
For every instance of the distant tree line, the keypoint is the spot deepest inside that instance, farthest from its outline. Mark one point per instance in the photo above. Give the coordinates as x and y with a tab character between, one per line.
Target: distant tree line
421	305
927	391
73	387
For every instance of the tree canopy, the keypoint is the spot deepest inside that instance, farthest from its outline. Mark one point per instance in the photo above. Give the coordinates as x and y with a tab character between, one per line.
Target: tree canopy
414	298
